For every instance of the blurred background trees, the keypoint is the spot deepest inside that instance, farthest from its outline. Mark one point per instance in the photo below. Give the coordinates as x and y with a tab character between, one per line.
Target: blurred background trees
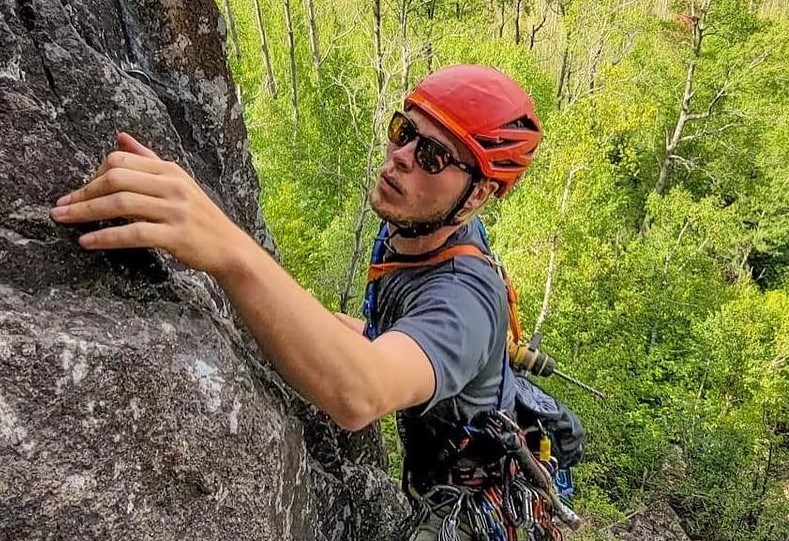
649	241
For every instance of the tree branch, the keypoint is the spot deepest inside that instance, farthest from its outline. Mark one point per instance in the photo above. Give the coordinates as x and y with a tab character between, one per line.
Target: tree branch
537	28
554	247
336	39
707	133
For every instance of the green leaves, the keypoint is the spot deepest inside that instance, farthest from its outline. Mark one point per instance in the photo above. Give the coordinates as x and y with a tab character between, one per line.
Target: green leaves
682	322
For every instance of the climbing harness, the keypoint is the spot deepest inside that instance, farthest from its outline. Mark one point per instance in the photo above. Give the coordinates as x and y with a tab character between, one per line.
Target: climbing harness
516	499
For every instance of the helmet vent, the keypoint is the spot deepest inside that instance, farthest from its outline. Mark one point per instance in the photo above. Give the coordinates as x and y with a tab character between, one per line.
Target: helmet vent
489	144
524	123
507	164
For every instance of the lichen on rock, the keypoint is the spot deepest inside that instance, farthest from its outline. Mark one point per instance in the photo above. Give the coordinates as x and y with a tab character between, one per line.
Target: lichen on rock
133	405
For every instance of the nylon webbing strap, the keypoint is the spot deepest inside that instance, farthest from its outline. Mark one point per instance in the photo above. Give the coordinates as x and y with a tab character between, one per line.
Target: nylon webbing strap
379	270
512	302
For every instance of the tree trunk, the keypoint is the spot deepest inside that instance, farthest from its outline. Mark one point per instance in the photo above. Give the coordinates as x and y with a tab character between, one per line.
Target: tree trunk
518	21
314	44
294	97
431	11
356	255
535	28
405	52
562	78
371	166
271	82
554	249
501	18
697	21
673	142
595	60
231	26
379	60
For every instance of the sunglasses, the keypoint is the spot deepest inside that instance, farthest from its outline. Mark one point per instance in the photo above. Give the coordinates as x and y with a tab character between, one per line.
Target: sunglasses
432	156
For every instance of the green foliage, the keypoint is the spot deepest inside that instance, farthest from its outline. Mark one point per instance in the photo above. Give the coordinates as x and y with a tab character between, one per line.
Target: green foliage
683	323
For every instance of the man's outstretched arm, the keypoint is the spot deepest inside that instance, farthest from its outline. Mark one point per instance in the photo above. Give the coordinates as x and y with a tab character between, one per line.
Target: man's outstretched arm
356	325
335	367
352	379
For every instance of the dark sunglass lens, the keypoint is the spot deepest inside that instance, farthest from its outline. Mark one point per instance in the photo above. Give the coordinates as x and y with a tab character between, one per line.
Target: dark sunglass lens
431	156
401	131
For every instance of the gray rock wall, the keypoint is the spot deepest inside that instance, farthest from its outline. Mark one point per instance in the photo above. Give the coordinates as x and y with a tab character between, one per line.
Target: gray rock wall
658	522
132	404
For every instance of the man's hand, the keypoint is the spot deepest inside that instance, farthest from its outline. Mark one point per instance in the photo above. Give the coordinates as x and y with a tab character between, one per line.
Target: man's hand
325	358
166	207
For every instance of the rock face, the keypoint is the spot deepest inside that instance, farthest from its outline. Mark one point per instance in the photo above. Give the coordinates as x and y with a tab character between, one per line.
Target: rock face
659	522
132	403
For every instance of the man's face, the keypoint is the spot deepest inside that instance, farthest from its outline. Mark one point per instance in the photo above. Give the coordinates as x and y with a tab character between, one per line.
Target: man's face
405	193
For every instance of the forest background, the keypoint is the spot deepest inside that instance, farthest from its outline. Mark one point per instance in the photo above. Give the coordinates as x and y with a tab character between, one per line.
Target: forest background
649	241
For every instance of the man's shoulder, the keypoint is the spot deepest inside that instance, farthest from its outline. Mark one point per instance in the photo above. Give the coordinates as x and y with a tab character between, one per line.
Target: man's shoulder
465	280
456	277
481	265
469	233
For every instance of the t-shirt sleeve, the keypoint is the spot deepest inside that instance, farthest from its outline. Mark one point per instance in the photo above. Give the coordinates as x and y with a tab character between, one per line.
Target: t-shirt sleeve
452	319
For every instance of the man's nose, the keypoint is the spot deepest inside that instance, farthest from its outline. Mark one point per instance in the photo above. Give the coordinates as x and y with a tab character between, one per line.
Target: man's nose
403	157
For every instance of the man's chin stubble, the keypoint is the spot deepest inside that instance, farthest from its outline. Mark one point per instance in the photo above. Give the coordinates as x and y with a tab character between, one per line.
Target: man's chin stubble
401	218
404	219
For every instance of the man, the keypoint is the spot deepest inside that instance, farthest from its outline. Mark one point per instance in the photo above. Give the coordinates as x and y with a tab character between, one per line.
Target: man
438	355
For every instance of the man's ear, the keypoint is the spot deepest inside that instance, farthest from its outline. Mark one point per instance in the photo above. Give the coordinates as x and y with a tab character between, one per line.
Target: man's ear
482	191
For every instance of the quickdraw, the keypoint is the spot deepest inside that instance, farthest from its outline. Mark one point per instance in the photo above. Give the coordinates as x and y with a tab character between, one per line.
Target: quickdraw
517	502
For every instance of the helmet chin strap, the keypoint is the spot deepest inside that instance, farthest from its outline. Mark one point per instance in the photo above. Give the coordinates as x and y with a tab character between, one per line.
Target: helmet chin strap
412	230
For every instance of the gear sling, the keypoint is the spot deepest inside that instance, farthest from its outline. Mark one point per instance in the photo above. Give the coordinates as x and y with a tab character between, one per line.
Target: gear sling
513	493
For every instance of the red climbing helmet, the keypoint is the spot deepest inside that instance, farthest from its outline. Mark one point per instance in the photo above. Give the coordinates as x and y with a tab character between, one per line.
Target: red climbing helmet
489	112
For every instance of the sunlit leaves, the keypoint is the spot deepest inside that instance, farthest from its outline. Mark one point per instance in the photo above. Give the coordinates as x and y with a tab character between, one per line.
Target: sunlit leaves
682	324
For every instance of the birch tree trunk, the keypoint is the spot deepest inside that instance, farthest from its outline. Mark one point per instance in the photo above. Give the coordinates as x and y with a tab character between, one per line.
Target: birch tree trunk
501	18
405	52
371	167
379	68
314	44
231	26
697	21
294	97
546	298
271	83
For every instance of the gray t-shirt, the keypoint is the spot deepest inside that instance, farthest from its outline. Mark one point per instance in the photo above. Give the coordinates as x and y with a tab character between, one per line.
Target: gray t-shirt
458	314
